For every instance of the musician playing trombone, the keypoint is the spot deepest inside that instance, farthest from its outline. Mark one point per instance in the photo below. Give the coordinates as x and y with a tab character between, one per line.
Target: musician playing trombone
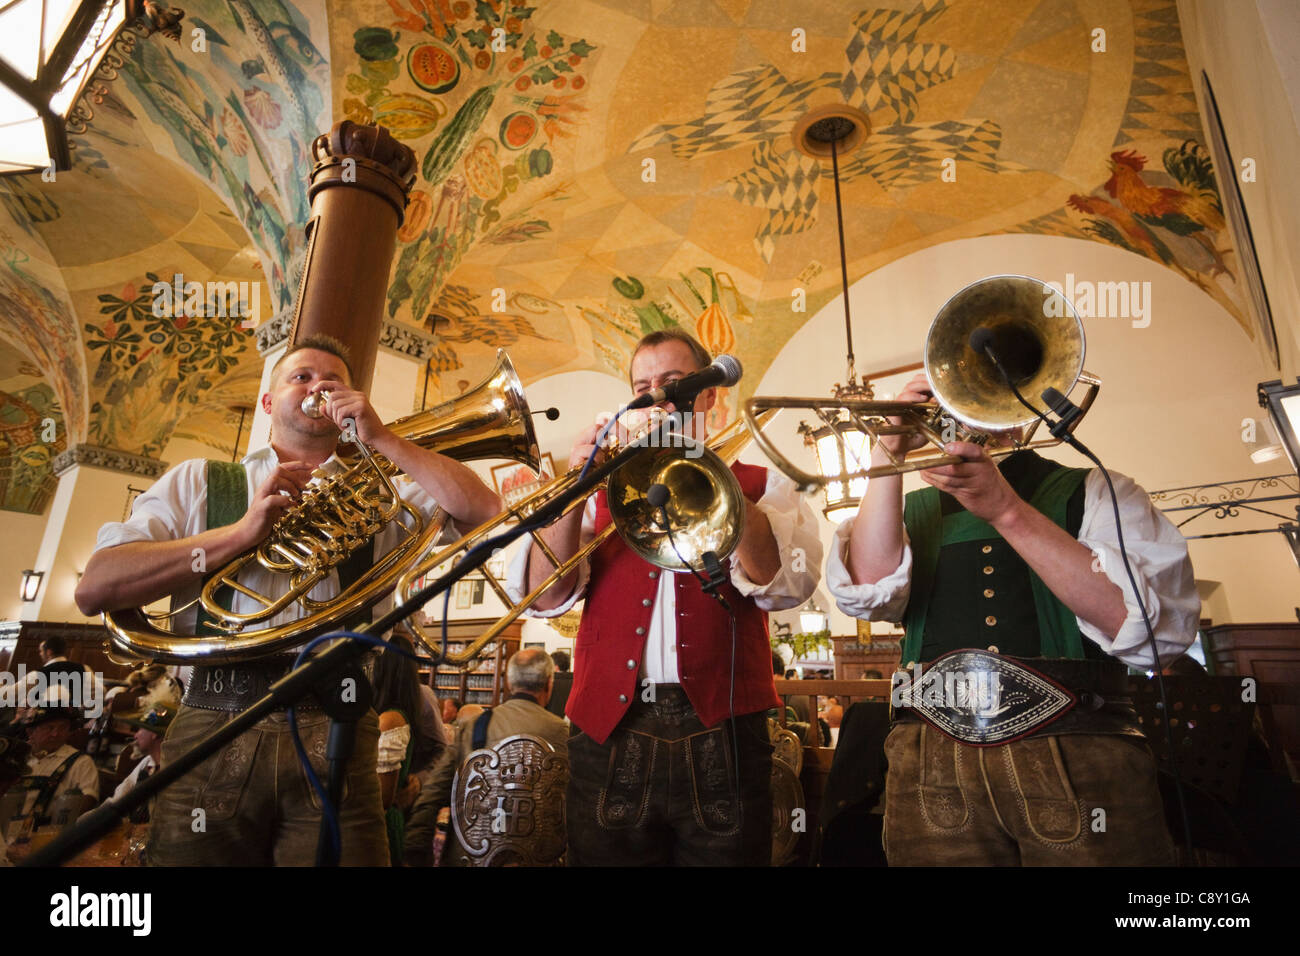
660	773
1022	559
251	804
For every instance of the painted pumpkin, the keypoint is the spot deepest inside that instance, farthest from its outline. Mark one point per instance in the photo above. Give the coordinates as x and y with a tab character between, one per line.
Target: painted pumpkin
417	216
482	171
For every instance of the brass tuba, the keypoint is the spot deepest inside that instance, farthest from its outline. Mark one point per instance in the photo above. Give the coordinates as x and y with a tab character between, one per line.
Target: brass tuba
1038	337
707	512
335	518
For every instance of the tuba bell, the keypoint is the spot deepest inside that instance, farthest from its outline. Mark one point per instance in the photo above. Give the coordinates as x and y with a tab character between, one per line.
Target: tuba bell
336	517
1037	336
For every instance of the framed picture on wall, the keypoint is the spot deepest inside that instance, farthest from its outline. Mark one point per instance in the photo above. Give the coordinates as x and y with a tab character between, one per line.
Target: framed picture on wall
464	592
477	588
515	482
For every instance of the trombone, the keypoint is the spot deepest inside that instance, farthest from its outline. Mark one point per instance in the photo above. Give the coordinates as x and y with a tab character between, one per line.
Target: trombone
707	502
1035	332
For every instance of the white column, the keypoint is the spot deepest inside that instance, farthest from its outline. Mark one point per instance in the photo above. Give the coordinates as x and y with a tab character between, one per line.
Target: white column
93	490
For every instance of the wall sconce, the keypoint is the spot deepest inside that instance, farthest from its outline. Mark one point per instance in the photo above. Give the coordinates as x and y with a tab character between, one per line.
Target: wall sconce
1283	404
31	584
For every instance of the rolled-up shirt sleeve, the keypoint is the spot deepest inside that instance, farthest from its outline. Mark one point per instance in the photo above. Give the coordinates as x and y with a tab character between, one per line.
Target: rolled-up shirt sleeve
797	540
1161	567
885	600
173	507
517	575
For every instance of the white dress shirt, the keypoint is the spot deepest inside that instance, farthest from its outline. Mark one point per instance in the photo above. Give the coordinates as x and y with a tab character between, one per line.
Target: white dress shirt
1156	550
176	507
793	525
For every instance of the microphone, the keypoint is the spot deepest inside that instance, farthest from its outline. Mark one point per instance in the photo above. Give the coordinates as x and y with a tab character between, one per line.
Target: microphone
551	413
724	372
657	495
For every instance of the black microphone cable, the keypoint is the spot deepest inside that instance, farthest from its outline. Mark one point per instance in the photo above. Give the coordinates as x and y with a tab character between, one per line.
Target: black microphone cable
981	342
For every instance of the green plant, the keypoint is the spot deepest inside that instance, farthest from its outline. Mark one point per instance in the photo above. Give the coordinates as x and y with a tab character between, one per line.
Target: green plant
804	644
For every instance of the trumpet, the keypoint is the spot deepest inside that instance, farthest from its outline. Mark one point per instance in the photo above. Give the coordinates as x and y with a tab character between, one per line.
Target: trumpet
1036	333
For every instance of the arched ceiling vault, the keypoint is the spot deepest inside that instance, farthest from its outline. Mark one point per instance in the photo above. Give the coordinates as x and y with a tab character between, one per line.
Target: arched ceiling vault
589	170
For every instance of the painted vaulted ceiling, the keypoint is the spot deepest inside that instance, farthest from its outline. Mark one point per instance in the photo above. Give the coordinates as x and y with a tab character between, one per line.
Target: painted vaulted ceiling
589	170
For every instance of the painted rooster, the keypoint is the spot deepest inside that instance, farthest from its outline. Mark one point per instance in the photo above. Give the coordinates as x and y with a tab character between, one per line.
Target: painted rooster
1193	211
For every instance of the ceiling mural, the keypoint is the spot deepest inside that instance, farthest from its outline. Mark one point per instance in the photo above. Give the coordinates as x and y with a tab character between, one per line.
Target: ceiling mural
31	434
240	105
588	171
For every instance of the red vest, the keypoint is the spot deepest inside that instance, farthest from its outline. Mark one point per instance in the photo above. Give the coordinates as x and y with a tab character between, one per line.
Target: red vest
616	620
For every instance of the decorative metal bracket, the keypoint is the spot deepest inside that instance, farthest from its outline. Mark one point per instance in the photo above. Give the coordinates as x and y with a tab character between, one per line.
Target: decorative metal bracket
1229	499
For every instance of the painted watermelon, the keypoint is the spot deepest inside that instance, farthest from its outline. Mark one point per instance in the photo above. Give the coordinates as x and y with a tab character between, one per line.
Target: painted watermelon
433	67
518	130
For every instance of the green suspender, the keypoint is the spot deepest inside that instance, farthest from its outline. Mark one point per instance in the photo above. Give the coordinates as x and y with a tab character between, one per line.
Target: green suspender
927	531
227	503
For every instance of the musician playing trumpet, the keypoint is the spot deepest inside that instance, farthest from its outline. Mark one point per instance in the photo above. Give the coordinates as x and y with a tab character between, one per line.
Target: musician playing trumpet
1021	558
257	806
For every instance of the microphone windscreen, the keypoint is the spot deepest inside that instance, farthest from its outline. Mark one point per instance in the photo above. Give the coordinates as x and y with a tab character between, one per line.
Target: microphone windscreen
1056	401
731	367
981	339
657	495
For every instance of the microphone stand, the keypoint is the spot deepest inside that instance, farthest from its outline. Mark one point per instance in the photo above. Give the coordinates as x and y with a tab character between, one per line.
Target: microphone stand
303	680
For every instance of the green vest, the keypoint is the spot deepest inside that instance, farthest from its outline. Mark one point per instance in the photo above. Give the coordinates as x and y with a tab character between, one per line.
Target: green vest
929	531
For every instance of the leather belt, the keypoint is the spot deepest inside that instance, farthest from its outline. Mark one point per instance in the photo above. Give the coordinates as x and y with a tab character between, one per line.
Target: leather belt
236	687
985	699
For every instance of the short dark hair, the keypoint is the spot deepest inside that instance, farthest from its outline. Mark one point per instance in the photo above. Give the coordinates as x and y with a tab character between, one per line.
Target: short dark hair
561	659
321	343
56	644
662	337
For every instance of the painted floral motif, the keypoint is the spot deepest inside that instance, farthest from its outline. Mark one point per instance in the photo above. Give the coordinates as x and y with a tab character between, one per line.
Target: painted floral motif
152	370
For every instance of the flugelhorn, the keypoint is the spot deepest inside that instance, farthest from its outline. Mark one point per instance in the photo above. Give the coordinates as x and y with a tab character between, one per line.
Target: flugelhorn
707	513
335	518
1036	333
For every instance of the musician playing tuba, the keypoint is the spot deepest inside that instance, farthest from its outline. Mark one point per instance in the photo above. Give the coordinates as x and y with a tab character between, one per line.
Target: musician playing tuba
258	808
653	771
987	765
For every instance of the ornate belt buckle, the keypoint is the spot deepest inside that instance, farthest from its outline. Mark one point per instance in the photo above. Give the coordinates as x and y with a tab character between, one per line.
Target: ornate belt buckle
981	698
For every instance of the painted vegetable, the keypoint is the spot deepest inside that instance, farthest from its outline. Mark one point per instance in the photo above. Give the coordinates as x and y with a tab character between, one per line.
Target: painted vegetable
374	43
418	208
450	144
408	116
482	171
629	288
518	130
433	67
712	327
